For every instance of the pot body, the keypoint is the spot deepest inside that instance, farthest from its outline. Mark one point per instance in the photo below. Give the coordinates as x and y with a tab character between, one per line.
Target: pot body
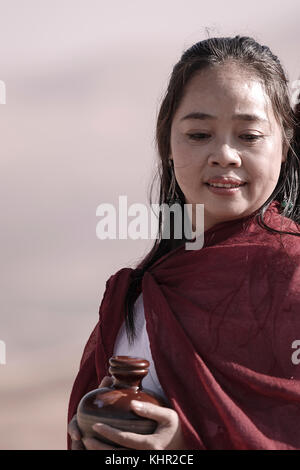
111	405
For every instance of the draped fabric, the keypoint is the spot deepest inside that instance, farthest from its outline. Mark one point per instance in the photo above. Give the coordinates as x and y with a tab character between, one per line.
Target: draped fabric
223	323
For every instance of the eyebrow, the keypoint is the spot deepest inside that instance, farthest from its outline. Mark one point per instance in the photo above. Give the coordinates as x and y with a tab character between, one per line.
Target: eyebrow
239	116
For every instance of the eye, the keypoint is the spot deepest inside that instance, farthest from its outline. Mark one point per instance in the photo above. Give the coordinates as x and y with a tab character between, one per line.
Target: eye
251	137
200	136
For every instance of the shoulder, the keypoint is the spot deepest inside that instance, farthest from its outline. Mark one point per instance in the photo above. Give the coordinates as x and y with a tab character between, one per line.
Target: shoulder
120	276
283	264
282	243
290	230
274	256
117	283
280	254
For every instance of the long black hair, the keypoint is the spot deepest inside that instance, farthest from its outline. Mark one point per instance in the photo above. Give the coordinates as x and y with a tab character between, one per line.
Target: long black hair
263	64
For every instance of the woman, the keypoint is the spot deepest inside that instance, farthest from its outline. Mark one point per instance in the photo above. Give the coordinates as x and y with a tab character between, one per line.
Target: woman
222	321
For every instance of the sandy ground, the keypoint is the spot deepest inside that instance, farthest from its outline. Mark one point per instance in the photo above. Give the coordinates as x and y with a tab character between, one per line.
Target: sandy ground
34	398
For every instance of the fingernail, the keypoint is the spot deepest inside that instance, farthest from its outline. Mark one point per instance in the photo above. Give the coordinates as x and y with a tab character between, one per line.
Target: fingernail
98	426
137	404
75	437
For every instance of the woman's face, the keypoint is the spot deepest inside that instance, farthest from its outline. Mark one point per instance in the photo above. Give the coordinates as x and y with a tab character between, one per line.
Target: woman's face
232	134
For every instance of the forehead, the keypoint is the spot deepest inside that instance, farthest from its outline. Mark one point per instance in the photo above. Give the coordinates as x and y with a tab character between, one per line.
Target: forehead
226	89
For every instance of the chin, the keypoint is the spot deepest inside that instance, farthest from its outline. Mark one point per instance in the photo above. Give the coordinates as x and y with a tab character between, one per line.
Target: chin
226	214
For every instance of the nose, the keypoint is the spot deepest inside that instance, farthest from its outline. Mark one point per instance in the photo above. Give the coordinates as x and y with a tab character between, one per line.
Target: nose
224	156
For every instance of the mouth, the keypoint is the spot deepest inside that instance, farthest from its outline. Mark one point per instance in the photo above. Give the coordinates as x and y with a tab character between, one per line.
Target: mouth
225	189
225	185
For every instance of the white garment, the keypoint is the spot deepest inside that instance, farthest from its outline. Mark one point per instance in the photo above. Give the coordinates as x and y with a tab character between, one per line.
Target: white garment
140	347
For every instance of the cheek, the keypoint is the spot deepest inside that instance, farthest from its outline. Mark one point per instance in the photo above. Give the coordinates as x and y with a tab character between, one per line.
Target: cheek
184	154
188	179
270	161
262	170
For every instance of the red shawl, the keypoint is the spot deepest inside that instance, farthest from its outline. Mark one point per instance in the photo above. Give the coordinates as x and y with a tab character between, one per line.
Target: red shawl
221	323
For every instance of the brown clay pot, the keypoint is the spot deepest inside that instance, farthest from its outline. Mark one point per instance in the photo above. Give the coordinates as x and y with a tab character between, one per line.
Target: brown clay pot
111	405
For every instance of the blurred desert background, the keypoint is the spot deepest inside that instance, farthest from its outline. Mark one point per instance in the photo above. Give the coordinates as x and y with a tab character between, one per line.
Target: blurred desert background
84	80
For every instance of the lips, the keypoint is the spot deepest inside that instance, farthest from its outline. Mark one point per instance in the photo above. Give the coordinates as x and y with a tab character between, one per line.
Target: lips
225	180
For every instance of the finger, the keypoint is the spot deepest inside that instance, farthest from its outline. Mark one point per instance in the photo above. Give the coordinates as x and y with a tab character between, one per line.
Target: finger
74	430
95	444
161	414
77	445
106	381
126	439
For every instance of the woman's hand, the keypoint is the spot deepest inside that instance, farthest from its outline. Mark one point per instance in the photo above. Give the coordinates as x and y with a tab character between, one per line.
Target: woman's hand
75	434
168	434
